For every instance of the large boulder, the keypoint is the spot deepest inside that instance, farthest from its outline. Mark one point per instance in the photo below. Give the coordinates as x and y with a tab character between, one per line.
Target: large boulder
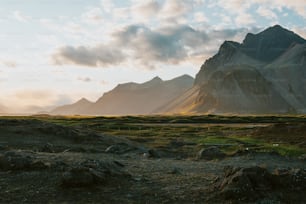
254	184
92	172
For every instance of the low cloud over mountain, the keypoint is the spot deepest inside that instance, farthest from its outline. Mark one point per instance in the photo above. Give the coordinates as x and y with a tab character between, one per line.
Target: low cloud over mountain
147	46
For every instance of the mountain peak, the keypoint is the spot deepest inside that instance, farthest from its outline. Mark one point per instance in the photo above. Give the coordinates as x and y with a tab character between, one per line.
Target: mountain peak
184	76
83	100
157	78
228	47
270	43
154	81
276	27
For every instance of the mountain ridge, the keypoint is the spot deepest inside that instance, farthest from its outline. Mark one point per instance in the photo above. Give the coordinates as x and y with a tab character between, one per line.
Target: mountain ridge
264	74
131	98
252	77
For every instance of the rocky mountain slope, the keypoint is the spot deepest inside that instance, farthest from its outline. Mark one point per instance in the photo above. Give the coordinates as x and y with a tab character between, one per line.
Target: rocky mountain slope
131	98
264	74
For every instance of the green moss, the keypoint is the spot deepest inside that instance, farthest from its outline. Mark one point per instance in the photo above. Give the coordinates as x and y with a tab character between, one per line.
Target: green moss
160	130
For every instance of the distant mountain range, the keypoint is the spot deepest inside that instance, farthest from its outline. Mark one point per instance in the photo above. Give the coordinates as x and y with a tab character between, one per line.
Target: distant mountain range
131	98
264	74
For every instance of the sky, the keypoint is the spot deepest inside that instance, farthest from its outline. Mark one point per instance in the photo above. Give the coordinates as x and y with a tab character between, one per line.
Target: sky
54	52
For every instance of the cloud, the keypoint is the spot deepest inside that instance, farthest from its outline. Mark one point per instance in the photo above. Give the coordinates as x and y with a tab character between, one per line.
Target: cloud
165	45
21	17
244	19
265	12
93	16
84	79
146	47
8	63
107	5
300	31
100	55
265	6
103	82
163	12
174	8
200	17
299	6
147	9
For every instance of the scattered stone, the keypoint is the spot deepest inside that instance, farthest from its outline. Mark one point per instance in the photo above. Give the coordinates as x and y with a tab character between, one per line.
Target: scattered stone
92	172
176	170
210	153
119	148
153	153
81	176
49	148
21	160
38	165
257	183
303	157
244	183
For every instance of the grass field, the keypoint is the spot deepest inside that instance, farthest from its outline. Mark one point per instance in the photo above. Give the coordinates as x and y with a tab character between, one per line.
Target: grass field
285	135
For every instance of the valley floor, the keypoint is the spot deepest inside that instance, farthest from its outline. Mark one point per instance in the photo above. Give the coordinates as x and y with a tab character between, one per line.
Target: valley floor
158	159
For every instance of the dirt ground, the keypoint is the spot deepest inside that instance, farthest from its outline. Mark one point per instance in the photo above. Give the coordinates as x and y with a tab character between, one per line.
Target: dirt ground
41	162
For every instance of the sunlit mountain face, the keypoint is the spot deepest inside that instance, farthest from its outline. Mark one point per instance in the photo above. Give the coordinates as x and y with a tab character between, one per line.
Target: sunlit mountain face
55	53
131	98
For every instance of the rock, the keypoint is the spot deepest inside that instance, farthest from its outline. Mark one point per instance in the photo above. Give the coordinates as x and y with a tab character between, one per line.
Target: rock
21	160
210	153
119	148
12	160
153	153
48	148
303	157
175	170
92	172
289	178
79	177
244	183
38	165
253	184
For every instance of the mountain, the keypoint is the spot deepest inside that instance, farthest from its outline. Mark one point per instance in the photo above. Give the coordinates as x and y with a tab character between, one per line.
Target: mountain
78	108
131	98
264	74
139	99
270	44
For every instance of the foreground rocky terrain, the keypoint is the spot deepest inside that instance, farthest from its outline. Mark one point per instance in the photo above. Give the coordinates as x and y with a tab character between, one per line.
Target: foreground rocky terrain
66	160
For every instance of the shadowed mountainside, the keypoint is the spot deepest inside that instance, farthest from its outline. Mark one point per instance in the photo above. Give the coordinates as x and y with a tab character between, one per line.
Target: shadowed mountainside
264	74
